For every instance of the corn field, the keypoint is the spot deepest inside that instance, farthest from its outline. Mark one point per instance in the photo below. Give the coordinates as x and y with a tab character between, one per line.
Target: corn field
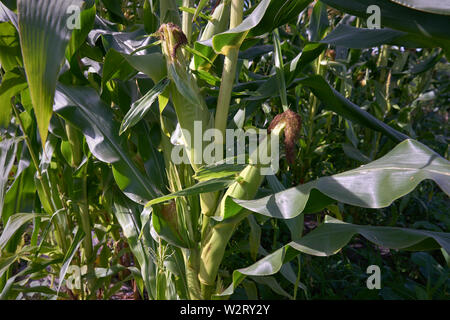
224	149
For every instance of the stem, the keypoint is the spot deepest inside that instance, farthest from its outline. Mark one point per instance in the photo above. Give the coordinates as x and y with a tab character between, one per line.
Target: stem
30	149
192	263
279	65
229	70
187	20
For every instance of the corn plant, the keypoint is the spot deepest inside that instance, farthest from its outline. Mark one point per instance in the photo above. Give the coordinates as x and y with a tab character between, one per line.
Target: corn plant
103	177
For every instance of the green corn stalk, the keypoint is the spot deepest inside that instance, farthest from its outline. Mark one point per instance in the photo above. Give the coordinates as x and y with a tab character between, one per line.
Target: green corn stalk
216	240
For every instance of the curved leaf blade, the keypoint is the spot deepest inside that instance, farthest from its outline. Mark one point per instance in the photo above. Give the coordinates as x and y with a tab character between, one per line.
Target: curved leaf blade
44	36
400	17
83	108
375	185
222	42
13	224
432	6
336	102
212	185
140	108
359	38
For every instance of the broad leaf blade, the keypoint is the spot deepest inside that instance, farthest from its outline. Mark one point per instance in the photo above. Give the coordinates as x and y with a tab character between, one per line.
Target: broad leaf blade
78	238
212	185
351	37
43	37
13	82
234	37
8	149
374	185
14	223
336	102
428	25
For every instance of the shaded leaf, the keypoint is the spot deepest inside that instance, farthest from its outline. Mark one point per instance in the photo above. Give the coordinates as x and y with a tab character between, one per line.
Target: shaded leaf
333	235
13	82
77	239
14	223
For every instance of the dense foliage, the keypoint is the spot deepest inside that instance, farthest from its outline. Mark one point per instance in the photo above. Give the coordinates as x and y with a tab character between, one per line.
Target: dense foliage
93	205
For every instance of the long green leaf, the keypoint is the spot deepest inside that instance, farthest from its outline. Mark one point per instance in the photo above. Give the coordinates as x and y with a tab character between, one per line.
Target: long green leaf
374	185
128	217
233	38
10	54
13	82
78	238
433	6
332	100
351	37
212	185
332	236
279	13
336	102
43	37
140	108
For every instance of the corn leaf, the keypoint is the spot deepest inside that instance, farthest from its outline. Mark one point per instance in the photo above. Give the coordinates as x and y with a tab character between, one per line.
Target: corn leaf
77	239
83	108
199	188
432	25
12	84
433	6
128	218
140	108
8	149
14	223
375	185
